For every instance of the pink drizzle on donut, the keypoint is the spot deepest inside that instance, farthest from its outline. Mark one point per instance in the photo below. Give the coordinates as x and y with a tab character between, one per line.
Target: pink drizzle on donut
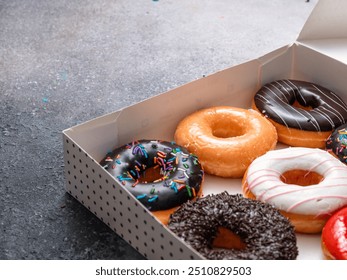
343	197
264	181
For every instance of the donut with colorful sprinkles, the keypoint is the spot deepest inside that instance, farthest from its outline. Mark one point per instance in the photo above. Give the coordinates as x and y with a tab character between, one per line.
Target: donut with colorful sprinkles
336	144
160	174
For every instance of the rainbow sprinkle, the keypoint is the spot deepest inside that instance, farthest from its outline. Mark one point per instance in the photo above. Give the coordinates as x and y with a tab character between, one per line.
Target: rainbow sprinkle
152	199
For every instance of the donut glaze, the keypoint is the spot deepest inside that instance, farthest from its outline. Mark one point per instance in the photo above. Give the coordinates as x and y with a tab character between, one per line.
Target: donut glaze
308	206
334	236
336	144
276	99
226	139
178	174
301	111
264	231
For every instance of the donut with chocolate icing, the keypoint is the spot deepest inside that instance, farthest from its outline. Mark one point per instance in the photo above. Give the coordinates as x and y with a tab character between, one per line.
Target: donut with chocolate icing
304	113
262	232
160	174
336	144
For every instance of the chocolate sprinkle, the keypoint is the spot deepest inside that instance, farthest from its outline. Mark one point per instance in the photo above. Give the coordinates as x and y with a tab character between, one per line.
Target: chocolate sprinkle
268	235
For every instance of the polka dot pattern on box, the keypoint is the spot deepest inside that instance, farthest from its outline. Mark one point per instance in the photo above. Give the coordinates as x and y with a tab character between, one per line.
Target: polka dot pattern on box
101	194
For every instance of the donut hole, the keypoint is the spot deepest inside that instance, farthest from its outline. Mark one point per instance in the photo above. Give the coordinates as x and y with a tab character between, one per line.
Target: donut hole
226	239
301	177
227	128
297	104
150	175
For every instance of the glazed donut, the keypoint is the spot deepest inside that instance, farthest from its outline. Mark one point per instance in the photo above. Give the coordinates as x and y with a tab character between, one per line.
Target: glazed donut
336	144
160	174
307	185
304	113
256	230
226	139
334	236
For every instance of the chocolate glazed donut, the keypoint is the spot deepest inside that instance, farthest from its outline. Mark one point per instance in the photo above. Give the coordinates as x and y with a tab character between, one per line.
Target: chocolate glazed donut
302	106
276	100
336	144
160	174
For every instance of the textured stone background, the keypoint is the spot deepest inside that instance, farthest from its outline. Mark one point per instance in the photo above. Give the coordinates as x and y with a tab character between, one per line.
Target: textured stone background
64	62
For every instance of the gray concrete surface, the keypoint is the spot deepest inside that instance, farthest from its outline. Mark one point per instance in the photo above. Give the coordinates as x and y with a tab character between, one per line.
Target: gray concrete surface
64	62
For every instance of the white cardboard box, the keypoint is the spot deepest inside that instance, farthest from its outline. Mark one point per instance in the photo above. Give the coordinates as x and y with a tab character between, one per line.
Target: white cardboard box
319	55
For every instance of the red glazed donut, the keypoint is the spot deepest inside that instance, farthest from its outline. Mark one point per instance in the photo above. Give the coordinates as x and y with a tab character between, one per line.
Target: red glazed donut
334	236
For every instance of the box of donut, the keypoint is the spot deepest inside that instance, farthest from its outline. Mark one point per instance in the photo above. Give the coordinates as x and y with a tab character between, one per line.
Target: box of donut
251	164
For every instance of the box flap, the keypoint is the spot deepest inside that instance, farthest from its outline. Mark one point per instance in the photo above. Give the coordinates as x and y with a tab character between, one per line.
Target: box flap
325	30
328	20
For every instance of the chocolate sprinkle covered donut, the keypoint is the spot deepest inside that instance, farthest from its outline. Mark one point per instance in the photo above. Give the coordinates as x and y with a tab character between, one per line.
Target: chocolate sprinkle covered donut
160	174
266	233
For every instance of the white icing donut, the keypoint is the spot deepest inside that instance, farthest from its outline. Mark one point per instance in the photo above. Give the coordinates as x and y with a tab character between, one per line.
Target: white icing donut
264	181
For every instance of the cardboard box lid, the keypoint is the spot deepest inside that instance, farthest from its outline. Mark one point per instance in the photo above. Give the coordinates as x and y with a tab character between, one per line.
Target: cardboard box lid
326	29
